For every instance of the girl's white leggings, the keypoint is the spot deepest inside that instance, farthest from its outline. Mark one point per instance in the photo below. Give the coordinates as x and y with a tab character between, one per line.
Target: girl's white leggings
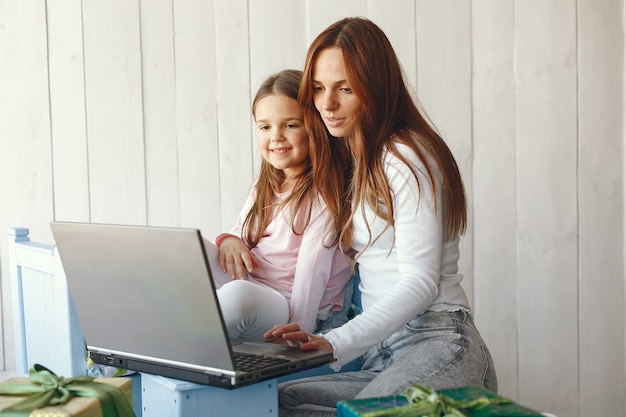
251	308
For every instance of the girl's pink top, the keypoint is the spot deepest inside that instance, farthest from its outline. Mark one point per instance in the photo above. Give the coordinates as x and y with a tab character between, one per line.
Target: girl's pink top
300	264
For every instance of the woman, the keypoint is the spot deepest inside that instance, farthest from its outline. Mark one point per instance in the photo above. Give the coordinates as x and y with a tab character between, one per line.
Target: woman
405	215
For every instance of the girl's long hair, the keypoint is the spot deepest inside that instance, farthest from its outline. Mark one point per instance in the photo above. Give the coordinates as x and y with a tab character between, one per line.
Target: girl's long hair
388	116
270	179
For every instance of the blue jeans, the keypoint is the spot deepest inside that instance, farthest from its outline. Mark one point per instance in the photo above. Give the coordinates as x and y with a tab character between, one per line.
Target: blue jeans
435	349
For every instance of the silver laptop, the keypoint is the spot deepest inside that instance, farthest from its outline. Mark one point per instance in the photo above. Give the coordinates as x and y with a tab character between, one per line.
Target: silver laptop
145	299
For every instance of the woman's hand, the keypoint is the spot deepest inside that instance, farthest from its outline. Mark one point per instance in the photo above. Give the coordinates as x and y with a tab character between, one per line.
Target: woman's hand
235	258
294	336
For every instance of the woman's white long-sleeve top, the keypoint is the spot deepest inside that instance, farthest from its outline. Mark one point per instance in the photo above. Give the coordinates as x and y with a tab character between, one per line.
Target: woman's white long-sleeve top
404	277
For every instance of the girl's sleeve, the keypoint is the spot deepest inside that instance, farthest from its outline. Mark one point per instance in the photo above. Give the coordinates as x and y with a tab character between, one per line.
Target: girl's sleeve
418	241
313	269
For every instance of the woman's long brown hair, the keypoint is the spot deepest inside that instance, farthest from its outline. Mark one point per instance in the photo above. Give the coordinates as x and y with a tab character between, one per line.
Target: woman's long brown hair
389	116
271	179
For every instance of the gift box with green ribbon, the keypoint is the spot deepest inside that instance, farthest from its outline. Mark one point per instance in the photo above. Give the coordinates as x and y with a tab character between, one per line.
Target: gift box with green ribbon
419	401
44	393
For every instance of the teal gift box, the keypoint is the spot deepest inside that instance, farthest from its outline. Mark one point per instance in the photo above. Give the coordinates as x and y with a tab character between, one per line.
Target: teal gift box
420	401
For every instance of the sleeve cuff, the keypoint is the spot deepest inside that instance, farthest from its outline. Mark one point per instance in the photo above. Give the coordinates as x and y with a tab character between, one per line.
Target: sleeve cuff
220	238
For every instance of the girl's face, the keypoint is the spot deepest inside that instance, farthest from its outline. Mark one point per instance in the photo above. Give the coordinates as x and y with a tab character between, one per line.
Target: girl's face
332	95
282	138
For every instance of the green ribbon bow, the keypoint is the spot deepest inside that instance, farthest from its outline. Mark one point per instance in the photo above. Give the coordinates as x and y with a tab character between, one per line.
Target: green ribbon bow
50	390
426	402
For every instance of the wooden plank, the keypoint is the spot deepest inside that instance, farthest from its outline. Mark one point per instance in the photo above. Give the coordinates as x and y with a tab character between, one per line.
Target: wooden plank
237	142
273	50
547	215
401	29
114	111
196	118
15	342
444	86
67	110
282	47
25	155
493	120
601	190
48	322
322	13
25	119
159	112
35	256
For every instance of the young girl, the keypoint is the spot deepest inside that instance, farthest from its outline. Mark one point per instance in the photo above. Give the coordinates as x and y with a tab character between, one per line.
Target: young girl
407	210
280	256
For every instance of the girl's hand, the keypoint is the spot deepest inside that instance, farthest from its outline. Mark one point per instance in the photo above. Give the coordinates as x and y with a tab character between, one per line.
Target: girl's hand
235	258
292	335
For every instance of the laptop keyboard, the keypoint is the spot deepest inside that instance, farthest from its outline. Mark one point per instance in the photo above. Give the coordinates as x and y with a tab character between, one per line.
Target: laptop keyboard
249	362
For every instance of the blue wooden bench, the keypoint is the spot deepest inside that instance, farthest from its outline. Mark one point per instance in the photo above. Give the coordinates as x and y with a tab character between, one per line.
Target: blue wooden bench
47	331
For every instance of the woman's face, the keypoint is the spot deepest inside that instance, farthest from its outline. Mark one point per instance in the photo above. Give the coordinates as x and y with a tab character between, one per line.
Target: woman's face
281	134
332	95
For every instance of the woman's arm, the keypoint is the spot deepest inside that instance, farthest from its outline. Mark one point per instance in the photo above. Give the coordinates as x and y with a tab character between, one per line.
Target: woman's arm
404	285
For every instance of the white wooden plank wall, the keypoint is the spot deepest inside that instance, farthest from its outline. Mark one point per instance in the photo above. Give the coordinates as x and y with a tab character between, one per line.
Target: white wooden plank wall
601	158
113	99
546	147
495	246
26	186
159	112
66	74
139	112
